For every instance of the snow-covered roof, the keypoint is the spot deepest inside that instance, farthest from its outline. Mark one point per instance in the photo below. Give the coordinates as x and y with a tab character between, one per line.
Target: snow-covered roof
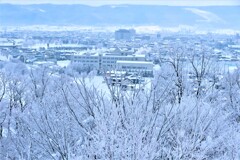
234	46
6	44
134	62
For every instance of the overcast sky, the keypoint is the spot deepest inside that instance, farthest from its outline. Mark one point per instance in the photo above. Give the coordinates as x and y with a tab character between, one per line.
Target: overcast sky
113	2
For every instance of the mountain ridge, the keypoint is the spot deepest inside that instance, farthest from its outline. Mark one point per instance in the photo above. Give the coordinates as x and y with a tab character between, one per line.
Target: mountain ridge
77	14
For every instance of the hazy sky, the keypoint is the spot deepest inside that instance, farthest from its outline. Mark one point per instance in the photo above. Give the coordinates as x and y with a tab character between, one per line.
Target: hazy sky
112	2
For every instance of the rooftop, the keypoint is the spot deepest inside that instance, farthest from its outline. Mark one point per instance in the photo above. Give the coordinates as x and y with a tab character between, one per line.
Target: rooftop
135	62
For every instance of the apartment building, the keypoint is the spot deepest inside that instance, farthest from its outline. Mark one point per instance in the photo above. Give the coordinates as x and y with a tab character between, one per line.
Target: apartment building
124	34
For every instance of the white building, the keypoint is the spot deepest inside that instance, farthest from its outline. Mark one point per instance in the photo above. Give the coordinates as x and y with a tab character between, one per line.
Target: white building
104	62
108	61
89	60
135	66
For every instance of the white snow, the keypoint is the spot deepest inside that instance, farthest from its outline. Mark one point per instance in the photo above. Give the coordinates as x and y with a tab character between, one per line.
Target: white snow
63	63
3	58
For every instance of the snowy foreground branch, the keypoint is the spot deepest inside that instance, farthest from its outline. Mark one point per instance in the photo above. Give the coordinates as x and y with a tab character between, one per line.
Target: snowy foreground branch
48	115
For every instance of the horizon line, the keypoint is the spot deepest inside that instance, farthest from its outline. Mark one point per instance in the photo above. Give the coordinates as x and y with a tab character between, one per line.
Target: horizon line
129	4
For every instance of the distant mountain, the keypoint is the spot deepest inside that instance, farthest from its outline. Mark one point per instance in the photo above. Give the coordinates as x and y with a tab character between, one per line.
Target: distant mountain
166	16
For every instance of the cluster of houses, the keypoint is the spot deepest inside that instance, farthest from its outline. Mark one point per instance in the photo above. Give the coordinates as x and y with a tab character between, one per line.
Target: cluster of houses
121	51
